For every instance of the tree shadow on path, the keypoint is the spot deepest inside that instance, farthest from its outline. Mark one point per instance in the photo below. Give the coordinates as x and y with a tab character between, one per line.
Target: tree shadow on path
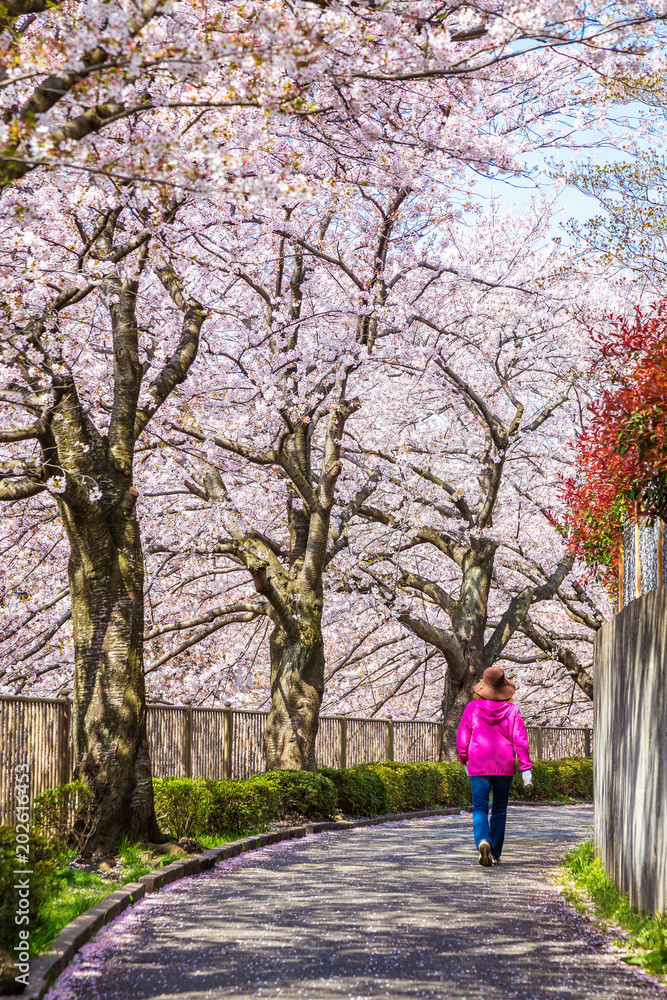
396	911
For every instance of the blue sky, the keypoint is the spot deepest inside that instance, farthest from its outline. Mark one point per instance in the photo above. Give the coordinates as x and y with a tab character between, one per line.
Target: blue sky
571	202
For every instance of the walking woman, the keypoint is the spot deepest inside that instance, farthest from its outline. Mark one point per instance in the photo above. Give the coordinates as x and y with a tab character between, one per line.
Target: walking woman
491	734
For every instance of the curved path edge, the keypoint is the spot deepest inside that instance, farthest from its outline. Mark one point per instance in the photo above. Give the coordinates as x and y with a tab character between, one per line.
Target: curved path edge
46	968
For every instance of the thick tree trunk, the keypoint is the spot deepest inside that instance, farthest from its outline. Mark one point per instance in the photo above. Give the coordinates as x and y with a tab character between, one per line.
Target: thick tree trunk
457	694
110	744
297	685
469	621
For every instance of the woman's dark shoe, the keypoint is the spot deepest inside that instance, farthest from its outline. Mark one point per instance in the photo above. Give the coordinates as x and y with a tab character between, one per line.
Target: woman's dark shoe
485	853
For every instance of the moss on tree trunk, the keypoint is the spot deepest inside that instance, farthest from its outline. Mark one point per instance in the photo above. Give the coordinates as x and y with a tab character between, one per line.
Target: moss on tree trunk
106	577
297	685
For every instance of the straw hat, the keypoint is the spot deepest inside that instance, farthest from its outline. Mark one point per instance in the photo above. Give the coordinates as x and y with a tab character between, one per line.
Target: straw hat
494	685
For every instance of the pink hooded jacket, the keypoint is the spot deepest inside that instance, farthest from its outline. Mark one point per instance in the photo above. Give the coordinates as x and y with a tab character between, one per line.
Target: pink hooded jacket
490	735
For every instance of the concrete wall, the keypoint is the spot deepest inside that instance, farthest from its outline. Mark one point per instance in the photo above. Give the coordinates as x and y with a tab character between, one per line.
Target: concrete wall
630	749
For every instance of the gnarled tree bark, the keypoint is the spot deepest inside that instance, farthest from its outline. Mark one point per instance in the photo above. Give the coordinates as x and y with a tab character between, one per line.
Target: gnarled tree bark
297	685
106	577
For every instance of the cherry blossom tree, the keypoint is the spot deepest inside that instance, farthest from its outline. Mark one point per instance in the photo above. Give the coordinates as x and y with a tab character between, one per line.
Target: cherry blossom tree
629	233
86	433
471	547
111	86
281	313
304	325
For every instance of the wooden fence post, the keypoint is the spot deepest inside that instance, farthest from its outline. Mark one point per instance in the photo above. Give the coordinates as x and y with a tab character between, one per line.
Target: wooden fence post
587	742
441	740
389	740
187	742
227	740
342	745
63	748
539	743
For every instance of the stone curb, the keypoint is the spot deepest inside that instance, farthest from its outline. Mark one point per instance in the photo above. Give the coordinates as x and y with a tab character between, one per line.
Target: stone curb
45	969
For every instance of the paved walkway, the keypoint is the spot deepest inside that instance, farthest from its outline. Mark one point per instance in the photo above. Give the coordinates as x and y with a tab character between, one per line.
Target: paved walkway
400	911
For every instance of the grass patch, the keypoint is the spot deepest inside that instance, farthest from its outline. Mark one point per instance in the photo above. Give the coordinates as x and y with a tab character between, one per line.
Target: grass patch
70	891
74	887
207	842
585	881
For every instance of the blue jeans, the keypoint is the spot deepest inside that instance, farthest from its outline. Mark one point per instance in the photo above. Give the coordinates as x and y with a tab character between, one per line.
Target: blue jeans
494	832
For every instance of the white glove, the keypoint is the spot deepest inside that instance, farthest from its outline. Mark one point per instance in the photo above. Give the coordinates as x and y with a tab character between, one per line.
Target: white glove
527	778
466	770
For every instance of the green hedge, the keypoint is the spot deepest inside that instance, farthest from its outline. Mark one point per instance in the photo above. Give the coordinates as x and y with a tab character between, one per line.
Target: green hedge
219	808
182	805
571	777
299	794
374	789
66	814
187	807
41	867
